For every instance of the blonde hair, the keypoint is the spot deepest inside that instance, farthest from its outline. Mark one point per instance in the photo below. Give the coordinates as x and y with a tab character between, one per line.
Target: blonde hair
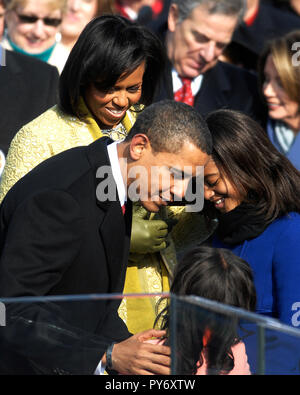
282	55
53	4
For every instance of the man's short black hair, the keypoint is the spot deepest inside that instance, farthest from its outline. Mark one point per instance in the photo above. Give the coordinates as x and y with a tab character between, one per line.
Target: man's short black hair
169	124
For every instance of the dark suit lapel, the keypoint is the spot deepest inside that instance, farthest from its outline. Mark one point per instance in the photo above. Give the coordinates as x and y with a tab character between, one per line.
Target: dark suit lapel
112	226
214	90
112	232
165	87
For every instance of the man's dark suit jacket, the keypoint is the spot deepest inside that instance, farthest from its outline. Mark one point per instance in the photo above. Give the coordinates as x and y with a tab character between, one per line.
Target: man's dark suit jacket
223	86
57	238
28	87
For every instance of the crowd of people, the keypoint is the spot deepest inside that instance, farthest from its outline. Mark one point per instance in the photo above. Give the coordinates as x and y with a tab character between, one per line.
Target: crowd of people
88	84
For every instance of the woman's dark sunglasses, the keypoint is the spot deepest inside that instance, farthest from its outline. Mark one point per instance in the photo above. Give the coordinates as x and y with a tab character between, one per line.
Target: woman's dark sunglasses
32	19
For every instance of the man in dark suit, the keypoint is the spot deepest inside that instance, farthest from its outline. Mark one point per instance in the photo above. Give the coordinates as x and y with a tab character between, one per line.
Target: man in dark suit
195	36
28	87
62	232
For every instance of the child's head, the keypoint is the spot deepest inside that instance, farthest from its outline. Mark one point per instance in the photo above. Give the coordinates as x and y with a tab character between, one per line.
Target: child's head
216	274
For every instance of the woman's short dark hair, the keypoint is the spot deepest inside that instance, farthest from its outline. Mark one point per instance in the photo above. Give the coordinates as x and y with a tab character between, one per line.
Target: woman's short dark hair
216	274
244	154
108	47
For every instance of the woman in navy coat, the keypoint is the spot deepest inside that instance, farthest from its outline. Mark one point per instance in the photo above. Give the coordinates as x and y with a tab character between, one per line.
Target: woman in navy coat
254	193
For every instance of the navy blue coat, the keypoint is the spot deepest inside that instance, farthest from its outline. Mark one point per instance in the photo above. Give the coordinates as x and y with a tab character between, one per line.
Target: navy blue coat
274	257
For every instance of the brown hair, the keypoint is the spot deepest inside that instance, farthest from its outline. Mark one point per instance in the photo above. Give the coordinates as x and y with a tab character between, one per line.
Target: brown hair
282	55
244	154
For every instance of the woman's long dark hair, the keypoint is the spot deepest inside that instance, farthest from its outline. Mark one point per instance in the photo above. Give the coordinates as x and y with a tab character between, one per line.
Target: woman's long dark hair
244	154
219	275
108	47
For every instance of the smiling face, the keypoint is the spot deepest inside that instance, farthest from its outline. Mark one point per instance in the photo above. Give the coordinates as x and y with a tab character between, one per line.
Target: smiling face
195	44
109	107
78	14
219	190
37	35
175	172
280	106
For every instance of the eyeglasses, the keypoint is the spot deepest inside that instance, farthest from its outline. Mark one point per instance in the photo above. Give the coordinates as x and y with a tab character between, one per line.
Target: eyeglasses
30	19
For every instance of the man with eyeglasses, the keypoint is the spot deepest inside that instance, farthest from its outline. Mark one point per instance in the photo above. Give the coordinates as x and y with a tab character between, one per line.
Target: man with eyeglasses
28	87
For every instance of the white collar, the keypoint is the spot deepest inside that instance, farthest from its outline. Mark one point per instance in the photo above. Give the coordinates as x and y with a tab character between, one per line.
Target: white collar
131	13
116	171
177	84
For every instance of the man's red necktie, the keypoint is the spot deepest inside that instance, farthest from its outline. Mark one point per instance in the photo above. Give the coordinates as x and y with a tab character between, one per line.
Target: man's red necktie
184	94
123	209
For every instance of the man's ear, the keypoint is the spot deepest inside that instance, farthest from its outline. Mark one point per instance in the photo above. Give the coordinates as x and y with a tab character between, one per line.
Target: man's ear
139	143
172	17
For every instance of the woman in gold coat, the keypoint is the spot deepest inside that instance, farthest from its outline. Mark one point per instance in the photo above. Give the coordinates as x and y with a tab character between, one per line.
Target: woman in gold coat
110	75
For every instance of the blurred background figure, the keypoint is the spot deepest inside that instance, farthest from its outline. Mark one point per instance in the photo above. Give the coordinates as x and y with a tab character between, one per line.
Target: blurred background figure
286	5
262	22
32	28
195	34
28	87
143	11
279	72
78	15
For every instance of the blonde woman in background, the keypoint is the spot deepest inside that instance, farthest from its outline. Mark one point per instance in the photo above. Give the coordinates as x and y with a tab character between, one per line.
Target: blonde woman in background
279	71
32	28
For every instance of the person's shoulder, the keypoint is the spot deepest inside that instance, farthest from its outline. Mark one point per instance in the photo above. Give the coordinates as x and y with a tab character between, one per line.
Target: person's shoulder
52	119
286	223
290	218
235	77
48	119
274	14
234	71
30	64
